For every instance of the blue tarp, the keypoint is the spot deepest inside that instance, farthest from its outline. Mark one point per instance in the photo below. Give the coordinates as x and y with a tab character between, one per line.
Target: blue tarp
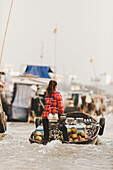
41	71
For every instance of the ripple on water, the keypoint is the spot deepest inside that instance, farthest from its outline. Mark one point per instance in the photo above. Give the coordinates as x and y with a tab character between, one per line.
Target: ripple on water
17	153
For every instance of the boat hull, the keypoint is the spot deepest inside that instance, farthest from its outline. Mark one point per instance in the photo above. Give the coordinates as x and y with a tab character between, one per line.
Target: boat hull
3	122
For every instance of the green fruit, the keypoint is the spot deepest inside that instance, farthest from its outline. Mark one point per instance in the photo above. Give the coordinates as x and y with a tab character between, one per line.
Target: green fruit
42	135
68	130
38	138
49	137
61	137
82	133
60	132
37	133
78	133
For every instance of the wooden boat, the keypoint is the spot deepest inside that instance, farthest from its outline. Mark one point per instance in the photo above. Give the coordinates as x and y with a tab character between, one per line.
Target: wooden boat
3	121
87	129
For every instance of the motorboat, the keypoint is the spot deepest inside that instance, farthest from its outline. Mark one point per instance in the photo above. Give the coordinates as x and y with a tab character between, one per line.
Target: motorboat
81	129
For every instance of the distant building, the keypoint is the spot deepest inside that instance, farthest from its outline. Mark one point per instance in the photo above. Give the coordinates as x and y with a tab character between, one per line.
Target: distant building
8	78
105	79
72	79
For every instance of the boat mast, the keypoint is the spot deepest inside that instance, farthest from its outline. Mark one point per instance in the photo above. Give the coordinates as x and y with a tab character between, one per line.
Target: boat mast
5	33
42	50
96	79
55	32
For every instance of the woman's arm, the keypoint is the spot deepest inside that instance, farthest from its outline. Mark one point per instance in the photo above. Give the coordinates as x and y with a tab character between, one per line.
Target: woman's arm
60	104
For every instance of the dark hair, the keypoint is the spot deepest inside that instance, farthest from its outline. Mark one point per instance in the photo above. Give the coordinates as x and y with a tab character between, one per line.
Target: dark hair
51	87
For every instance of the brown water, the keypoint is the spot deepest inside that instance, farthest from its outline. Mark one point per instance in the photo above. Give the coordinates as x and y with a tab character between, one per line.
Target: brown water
17	153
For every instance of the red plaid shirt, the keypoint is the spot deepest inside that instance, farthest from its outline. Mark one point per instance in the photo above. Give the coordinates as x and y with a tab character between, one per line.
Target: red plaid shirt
53	104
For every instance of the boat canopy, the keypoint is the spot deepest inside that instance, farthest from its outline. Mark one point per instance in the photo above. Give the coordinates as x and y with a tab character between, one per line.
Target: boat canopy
39	71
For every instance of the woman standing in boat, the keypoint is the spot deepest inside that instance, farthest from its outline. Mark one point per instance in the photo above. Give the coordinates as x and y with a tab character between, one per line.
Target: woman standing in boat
54	106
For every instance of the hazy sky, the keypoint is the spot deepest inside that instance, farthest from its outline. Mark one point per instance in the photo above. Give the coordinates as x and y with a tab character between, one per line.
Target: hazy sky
85	30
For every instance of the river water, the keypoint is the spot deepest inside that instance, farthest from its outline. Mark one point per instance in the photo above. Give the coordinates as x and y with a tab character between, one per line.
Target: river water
16	153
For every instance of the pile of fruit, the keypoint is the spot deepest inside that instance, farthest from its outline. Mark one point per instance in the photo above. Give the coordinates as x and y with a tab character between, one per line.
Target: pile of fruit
75	136
38	135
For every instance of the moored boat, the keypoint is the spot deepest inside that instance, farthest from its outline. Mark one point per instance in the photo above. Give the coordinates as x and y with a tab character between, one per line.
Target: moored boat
3	121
